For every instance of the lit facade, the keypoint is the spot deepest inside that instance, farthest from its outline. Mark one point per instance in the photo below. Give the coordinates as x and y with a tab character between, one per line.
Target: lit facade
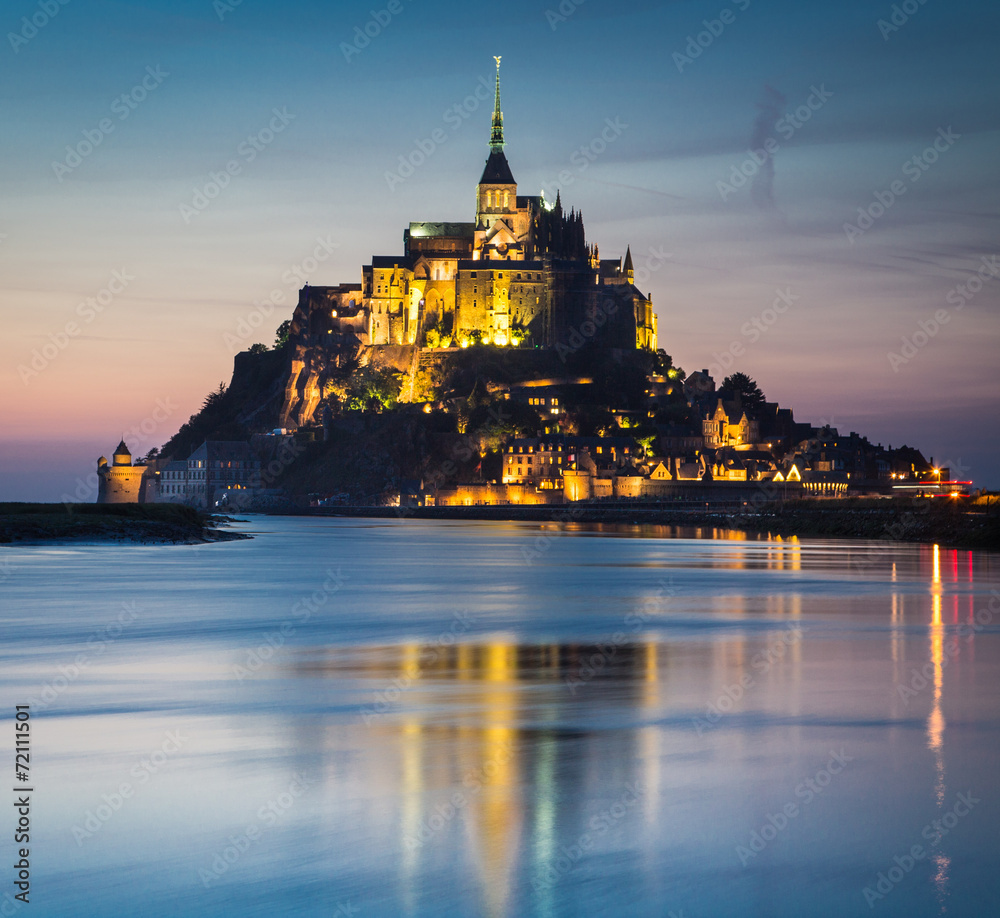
520	272
121	482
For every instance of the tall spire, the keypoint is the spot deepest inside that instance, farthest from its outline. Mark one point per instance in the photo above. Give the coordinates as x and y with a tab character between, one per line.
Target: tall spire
496	137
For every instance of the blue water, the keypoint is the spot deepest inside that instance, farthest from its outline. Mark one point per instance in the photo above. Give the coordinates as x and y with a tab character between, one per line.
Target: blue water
402	718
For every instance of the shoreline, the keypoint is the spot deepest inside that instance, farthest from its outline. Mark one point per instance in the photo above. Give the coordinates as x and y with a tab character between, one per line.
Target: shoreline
906	520
862	520
116	524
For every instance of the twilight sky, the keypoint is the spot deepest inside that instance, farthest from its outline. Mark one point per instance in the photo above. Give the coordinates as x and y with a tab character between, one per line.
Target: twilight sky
117	115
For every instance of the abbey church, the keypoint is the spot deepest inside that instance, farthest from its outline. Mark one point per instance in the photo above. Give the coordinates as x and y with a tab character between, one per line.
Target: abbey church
521	273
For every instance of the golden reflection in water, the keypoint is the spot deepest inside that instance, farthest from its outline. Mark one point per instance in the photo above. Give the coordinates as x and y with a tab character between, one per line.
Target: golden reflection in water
500	816
412	799
784	554
483	760
795	548
935	721
897	637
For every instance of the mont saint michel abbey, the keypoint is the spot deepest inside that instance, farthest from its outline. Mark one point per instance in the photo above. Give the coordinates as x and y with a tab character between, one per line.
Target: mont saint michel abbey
520	273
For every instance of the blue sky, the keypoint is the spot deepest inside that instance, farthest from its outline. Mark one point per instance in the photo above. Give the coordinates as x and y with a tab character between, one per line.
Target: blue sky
216	77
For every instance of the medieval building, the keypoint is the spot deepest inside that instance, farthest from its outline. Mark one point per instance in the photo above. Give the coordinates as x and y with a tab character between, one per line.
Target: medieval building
520	272
121	482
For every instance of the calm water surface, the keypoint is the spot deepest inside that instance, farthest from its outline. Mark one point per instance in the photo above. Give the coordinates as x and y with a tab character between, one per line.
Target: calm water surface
401	718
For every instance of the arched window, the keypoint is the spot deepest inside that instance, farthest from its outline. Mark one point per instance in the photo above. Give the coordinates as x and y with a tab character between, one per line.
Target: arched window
489	199
506	199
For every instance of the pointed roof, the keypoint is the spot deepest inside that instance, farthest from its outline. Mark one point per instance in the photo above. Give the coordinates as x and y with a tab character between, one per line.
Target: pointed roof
122	449
628	259
496	137
497	171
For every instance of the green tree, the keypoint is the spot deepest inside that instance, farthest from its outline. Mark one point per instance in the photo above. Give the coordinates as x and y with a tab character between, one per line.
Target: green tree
372	389
258	348
281	334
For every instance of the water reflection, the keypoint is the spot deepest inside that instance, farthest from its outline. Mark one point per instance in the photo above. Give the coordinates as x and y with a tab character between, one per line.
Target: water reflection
504	751
450	775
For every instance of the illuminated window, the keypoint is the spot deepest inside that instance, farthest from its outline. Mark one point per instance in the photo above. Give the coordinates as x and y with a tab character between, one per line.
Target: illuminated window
489	198
506	198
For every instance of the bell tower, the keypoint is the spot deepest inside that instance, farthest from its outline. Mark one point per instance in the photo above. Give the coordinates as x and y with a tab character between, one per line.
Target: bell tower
496	194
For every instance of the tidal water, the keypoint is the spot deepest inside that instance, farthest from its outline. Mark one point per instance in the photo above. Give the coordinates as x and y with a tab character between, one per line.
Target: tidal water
408	718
